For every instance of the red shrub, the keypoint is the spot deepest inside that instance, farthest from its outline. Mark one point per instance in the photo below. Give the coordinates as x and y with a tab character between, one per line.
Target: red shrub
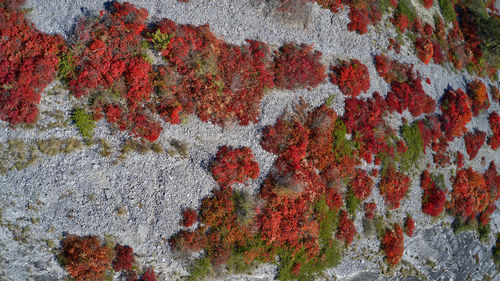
298	67
321	123
428	3
370	210
234	166
409	226
459	160
470	194
437	54
284	136
393	187
361	184
359	20
346	229
189	217
124	258
430	130
473	142
334	199
142	126
85	258
148	275
400	21
425	50
456	108
494	140
393	245
410	95
433	197
28	62
492	180
476	90
351	76
495	93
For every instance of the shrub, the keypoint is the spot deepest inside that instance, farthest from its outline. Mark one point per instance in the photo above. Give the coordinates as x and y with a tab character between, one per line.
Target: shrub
425	49
298	67
28	63
361	184
85	258
456	108
148	275
124	258
84	121
189	217
392	244
393	187
359	20
470	194
370	210
473	142
447	10
400	21
409	227
433	196
476	90
346	229
428	3
351	76
234	166
494	140
495	93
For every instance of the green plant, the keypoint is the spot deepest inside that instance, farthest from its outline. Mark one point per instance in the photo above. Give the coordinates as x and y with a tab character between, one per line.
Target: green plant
352	203
160	40
496	251
84	122
66	66
447	10
484	232
413	138
200	269
405	7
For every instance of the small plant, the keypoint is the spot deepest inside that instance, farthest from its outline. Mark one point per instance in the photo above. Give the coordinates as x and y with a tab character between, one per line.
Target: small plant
494	121
200	269
392	244
84	121
124	258
346	229
473	142
189	217
434	194
234	166
393	187
351	76
409	227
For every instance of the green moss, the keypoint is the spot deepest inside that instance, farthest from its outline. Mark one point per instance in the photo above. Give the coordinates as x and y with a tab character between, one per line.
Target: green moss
341	146
237	264
160	40
459	225
405	7
496	251
200	269
244	205
379	226
413	139
84	121
447	10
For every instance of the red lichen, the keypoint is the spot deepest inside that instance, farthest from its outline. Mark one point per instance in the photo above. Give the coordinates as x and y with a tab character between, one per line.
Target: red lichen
346	229
456	108
494	140
476	90
351	76
393	187
85	258
298	67
234	166
473	142
124	258
393	245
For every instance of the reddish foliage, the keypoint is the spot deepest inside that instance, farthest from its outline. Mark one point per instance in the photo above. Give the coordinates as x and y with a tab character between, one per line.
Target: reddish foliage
428	30
148	275
492	180
409	226
351	76
459	160
85	258
494	140
470	194
437	54
321	123
370	210
393	187
495	93
142	126
284	136
346	229
456	108
392	244
430	130
400	21
361	184
425	50
234	166
428	3
189	217
124	258
297	67
410	95
359	20
28	62
476	90
473	142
